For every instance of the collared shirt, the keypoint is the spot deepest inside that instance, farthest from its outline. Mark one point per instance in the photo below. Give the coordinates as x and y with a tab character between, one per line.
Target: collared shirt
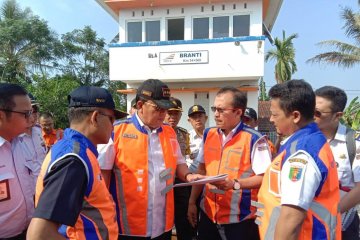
32	148
195	143
302	191
156	207
347	174
260	158
16	200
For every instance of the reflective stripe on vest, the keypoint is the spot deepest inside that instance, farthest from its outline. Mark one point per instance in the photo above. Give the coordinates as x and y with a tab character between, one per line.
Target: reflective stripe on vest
322	219
97	218
130	183
234	158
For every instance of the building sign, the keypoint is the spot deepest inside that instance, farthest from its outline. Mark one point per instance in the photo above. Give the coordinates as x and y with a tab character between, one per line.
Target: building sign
188	57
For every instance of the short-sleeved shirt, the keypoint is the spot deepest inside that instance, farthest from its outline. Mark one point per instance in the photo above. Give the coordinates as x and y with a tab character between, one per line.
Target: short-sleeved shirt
32	148
302	191
15	214
156	207
64	189
260	156
347	174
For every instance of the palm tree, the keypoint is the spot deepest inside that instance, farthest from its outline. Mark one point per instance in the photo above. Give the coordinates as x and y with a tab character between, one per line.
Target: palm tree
345	55
284	54
25	43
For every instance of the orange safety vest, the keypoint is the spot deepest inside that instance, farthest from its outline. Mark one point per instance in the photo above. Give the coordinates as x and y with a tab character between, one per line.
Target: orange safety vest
234	158
323	218
53	137
130	181
97	218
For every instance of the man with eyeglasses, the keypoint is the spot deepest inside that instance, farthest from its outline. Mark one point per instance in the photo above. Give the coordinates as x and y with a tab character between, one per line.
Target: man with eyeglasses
141	160
241	152
50	135
72	201
16	202
299	195
30	150
330	105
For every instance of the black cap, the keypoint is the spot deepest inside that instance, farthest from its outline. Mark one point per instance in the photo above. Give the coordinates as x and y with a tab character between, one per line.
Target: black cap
133	103
250	113
33	100
90	96
177	105
155	90
196	109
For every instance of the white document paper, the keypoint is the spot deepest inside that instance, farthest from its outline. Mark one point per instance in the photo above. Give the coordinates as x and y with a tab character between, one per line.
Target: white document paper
208	179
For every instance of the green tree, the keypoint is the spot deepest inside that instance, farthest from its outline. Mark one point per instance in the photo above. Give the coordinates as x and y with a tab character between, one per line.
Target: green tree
351	115
25	43
263	95
345	55
284	55
84	57
52	95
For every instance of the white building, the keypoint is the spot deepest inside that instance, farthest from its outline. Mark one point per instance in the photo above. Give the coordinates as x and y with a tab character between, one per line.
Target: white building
194	46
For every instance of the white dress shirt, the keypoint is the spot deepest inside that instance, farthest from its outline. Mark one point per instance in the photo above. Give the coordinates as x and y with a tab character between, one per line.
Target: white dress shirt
347	174
260	155
16	202
156	205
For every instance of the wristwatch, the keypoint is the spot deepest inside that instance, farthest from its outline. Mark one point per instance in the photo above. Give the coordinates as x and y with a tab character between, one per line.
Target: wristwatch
236	185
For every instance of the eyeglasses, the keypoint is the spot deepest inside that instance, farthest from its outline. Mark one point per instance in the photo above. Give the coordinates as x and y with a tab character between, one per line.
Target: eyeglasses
111	117
220	110
26	114
156	107
318	114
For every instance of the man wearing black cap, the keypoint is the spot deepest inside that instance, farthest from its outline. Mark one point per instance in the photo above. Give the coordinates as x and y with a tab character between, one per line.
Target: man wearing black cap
142	162
197	119
71	196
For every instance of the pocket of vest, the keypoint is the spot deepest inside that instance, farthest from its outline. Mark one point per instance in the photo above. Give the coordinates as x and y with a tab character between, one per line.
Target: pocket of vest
274	182
230	164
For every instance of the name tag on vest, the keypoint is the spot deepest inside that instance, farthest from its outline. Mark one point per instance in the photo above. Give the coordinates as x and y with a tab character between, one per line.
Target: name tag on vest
130	135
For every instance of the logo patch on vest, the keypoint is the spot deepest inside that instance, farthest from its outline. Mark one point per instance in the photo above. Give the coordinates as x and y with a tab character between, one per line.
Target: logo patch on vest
295	173
130	135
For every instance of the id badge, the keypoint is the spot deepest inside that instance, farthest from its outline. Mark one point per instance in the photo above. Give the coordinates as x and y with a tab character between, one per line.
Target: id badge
4	190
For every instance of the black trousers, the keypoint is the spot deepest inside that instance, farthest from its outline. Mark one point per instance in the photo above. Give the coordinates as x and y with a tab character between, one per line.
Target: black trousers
184	230
208	230
164	236
352	232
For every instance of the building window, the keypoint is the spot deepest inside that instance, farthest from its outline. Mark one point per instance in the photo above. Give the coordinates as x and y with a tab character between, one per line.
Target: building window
220	27
175	29
152	31
241	25
134	31
200	28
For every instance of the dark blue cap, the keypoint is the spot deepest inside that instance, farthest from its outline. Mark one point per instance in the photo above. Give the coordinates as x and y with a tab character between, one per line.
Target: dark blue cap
90	96
250	113
196	109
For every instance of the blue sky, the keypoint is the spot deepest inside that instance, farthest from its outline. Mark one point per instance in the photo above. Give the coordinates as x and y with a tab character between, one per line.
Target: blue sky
312	20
